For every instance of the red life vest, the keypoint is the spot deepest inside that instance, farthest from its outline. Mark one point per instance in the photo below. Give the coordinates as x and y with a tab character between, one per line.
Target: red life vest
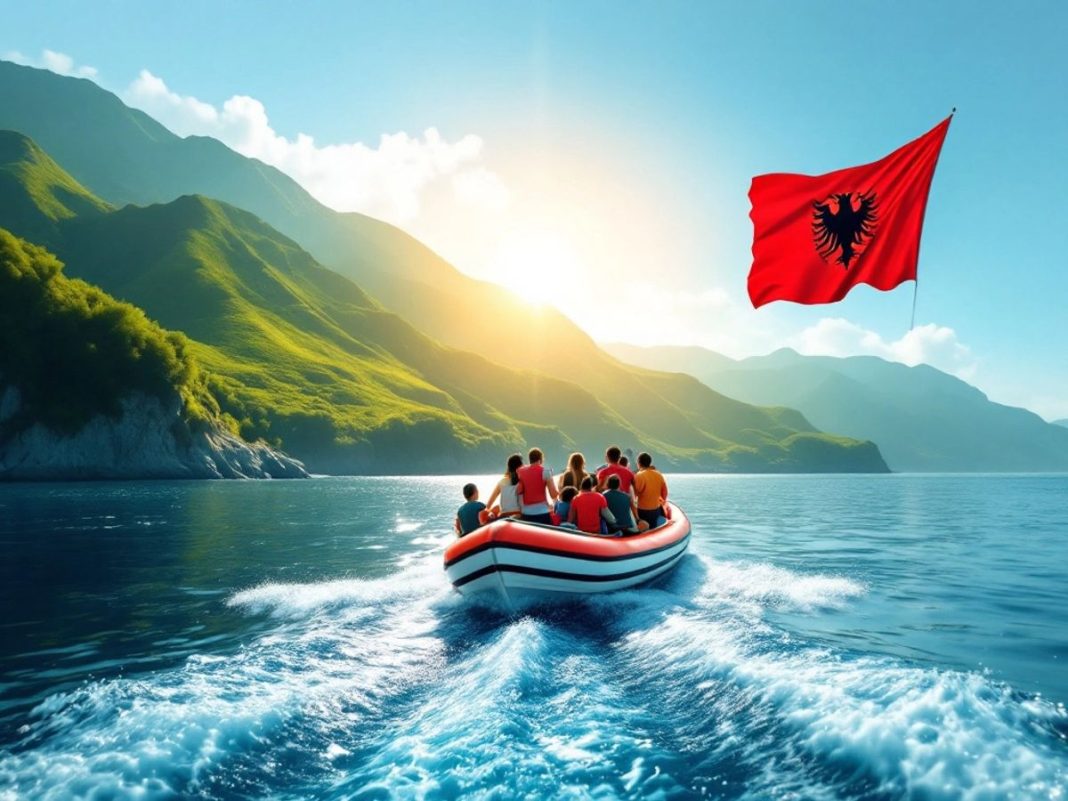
532	479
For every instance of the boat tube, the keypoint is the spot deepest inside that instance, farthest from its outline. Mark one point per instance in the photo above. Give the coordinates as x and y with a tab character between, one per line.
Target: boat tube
519	562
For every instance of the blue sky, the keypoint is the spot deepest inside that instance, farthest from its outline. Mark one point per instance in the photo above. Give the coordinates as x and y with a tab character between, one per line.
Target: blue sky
618	141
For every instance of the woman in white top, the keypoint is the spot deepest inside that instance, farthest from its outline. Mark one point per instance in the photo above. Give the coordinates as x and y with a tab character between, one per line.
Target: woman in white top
505	488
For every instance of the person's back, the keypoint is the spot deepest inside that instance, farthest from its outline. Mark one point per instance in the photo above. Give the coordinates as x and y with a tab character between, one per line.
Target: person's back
471	515
575	472
650	490
570	478
619	505
614	468
563	503
589	508
586	511
509	499
536	486
506	489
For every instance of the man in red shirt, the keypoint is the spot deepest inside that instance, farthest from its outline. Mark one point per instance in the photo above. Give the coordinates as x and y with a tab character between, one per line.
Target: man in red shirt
588	508
614	468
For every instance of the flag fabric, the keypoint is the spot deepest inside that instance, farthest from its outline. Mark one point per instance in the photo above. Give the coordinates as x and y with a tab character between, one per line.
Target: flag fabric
815	237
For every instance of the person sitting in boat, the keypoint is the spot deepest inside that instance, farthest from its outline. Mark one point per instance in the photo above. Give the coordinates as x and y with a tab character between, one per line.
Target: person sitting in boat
506	490
576	471
589	510
535	488
651	492
614	468
472	514
563	506
621	505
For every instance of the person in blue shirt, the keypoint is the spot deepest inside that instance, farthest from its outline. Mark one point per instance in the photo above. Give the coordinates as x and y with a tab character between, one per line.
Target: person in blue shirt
472	514
621	505
563	506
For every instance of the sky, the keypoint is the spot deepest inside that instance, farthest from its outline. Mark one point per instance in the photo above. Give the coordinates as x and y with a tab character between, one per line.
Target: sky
597	156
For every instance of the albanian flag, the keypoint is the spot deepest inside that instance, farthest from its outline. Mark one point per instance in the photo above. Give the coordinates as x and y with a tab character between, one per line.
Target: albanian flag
815	237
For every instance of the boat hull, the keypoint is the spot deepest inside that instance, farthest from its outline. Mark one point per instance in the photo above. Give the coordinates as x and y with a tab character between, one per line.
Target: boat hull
517	562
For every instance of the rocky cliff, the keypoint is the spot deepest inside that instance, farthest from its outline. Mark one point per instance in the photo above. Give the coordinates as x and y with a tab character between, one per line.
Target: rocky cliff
149	439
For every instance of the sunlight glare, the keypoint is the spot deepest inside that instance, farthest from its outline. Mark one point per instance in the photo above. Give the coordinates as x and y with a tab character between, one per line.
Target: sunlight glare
537	265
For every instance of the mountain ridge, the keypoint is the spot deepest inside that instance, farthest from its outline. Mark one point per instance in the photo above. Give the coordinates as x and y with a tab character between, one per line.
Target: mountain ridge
922	418
303	357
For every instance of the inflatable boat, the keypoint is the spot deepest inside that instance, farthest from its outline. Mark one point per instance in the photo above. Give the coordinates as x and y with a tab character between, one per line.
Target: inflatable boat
518	562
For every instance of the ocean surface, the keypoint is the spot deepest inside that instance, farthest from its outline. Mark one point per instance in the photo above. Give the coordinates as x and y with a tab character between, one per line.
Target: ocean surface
827	637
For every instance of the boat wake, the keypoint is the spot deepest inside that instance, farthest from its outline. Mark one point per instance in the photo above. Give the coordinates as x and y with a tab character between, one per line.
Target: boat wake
398	688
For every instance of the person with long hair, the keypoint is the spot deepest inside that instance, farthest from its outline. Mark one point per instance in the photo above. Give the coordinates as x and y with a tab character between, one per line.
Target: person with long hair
505	489
576	471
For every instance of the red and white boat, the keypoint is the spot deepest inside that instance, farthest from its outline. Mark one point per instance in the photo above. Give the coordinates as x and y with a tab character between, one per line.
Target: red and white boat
518	562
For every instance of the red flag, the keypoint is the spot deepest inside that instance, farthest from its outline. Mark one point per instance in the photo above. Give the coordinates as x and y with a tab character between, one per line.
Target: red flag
815	237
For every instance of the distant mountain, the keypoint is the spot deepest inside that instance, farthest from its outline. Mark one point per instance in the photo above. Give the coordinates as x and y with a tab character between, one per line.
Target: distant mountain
1063	422
921	418
37	194
302	357
124	156
90	388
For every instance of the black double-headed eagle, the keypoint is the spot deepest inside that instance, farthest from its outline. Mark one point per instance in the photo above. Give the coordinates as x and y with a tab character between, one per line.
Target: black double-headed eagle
838	224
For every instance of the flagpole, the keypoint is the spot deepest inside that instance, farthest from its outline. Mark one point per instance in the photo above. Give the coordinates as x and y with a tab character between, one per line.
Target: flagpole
915	290
916	280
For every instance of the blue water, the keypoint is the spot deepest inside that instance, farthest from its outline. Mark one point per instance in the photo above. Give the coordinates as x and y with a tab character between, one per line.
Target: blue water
828	637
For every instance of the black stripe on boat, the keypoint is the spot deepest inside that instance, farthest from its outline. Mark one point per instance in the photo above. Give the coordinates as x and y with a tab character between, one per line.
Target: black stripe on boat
516	546
558	574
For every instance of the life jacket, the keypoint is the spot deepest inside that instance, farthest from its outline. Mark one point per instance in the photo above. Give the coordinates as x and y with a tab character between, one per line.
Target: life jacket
532	478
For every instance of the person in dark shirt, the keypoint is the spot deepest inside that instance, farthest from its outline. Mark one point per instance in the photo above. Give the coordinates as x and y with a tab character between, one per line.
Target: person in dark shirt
621	505
472	514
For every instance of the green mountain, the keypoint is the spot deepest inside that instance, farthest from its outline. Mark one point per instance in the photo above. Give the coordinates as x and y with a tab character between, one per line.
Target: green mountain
922	418
37	193
91	388
300	356
74	352
125	156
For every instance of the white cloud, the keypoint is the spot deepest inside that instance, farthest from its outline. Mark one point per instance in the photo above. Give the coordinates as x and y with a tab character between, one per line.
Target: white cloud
479	186
388	181
59	63
936	345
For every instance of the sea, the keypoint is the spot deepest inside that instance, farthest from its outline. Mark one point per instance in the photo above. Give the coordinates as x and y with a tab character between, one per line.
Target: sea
825	637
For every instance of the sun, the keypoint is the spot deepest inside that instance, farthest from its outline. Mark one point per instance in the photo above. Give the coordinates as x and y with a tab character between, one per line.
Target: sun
536	265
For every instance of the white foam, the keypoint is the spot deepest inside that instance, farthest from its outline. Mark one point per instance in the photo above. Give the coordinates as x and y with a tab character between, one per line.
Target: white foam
300	600
771	587
523	716
161	735
911	731
395	684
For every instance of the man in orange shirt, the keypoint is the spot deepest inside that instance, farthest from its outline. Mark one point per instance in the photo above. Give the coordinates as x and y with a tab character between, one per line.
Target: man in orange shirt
651	490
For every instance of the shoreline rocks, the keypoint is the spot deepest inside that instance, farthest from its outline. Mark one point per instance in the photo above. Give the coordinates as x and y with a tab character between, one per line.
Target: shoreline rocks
150	440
